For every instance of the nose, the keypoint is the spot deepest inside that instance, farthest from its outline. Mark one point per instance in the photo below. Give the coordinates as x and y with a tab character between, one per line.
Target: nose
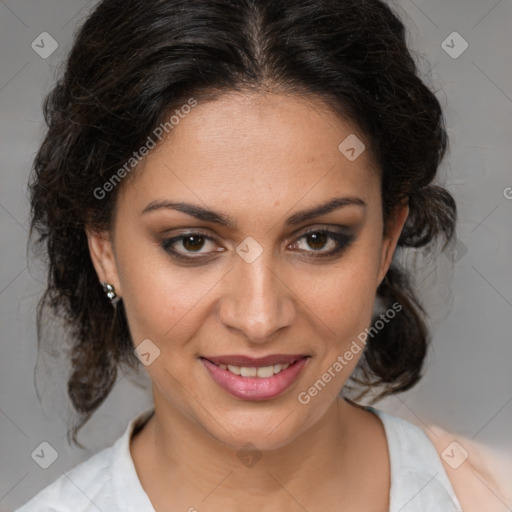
257	302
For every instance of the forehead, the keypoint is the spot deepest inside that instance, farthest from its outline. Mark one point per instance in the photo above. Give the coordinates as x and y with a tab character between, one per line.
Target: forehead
250	145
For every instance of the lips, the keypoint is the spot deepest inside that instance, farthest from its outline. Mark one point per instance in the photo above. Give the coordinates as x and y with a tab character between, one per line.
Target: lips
255	378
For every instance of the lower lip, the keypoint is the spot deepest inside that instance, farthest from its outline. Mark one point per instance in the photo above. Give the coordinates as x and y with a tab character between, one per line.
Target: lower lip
255	388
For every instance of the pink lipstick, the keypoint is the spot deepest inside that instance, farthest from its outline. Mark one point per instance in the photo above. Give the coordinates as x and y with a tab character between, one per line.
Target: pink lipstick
250	378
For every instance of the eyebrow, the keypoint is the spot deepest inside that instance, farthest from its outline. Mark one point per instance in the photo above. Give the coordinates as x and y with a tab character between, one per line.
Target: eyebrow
207	215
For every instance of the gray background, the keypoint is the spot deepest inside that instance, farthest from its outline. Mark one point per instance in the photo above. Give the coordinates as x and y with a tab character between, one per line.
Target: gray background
468	386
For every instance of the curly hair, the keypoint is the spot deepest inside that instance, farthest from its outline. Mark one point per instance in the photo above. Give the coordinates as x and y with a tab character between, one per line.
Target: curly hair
134	62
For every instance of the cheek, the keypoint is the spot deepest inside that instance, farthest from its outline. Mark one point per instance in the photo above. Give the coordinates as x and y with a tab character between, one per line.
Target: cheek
159	297
349	290
347	303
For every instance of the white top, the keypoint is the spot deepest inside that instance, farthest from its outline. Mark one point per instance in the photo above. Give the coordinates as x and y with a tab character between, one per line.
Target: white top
108	481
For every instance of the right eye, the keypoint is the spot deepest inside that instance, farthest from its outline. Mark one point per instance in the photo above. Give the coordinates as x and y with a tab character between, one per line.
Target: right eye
192	242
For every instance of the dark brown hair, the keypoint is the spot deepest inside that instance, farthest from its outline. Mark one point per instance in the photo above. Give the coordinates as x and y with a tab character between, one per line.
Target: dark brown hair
133	62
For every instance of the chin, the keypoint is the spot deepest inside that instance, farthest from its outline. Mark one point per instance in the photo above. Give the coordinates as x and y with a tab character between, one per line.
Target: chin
264	430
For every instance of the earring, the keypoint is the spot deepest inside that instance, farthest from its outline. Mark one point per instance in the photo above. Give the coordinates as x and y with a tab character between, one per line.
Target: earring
110	292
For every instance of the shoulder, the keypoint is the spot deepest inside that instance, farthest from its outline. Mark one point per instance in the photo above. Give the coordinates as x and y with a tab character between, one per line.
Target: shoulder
84	488
418	481
105	481
480	478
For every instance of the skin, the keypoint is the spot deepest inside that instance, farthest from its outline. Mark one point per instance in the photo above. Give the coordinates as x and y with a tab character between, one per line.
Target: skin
257	158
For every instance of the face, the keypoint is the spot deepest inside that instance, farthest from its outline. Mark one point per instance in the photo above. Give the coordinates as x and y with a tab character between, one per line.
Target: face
243	266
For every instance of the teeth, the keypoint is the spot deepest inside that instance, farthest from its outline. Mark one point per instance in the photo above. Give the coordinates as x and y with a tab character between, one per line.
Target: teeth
262	372
265	371
248	372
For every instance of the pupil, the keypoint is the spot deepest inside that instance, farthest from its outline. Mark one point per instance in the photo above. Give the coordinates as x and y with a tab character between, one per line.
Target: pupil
188	242
317	238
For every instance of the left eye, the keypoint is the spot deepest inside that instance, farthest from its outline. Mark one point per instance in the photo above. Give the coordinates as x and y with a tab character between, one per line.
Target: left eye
318	239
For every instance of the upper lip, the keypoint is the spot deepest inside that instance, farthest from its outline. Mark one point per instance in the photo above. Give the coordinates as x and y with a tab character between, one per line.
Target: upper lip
257	362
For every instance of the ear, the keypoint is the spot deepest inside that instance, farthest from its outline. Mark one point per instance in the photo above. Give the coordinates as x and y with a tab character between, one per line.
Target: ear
395	225
103	257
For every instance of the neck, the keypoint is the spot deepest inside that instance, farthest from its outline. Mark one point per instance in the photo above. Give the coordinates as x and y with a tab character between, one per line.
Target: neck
199	468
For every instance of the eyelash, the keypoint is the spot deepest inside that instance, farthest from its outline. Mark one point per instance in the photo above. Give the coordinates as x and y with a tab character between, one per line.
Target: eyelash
342	241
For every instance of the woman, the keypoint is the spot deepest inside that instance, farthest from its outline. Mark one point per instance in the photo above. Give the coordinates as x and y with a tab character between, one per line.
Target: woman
221	192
